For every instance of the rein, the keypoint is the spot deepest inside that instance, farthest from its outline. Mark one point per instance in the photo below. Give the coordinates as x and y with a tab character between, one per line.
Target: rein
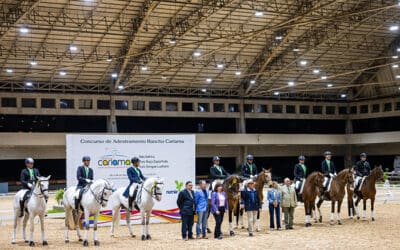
153	190
41	194
101	199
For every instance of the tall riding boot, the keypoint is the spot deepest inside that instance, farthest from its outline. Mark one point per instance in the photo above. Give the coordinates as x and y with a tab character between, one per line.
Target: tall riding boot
77	205
21	205
130	201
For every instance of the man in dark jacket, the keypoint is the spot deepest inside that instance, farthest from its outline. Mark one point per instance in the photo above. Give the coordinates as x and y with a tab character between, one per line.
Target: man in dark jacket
135	176
362	170
187	205
84	174
249	169
28	180
300	174
252	204
328	169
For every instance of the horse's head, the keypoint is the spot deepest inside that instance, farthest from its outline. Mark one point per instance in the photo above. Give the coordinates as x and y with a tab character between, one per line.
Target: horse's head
265	176
348	175
43	185
158	188
317	179
103	189
377	172
232	183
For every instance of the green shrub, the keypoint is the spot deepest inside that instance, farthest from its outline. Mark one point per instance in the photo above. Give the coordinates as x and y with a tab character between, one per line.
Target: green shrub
59	195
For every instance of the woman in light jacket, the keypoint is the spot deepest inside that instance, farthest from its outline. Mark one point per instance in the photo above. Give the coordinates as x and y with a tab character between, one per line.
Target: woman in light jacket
219	205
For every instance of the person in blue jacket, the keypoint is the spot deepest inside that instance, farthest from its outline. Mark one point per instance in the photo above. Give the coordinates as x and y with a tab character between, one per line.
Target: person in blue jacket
201	200
135	176
84	174
249	169
252	204
274	204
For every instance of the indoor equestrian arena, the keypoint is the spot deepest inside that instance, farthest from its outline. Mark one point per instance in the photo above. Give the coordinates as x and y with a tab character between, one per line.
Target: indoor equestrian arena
200	124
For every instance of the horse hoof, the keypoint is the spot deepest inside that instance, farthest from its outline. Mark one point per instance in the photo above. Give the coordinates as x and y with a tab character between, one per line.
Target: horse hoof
45	243
339	223
80	240
373	219
85	243
208	231
31	243
242	227
358	217
133	236
97	243
143	237
363	218
231	233
351	217
320	219
308	224
66	241
332	222
13	242
148	237
26	241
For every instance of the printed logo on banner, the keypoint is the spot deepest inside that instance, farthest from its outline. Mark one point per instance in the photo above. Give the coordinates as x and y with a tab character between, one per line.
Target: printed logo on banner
178	186
113	158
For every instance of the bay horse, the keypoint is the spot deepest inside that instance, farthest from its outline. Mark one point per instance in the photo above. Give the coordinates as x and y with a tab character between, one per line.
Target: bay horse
368	191
336	193
312	188
264	177
232	189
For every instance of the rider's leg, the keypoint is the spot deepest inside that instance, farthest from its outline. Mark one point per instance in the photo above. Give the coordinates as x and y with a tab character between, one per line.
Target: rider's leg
130	196
22	203
78	196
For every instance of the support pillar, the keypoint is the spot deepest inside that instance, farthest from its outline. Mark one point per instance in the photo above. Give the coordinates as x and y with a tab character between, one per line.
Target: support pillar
348	158
112	119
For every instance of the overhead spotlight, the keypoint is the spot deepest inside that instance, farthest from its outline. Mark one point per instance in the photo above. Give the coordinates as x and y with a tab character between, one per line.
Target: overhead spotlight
316	71
109	59
324	77
172	40
343	95
303	62
73	48
9	70
278	38
196	53
394	28
276	93
144	68
203	90
63	73
395	57
291	83
395	66
29	84
296	49
114	75
163	77
258	13
238	73
252	81
397	76
220	65
208	80
398	50
329	85
33	63
23	30
120	87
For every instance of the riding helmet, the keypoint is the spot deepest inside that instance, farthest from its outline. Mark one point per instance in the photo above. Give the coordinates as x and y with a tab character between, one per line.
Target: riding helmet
250	157
302	158
216	158
134	160
86	158
327	153
363	155
29	160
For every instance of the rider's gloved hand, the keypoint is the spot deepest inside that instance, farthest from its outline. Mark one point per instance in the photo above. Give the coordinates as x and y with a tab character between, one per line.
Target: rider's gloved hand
30	185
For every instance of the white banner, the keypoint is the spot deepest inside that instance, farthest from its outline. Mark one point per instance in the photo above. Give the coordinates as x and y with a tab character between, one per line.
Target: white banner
171	157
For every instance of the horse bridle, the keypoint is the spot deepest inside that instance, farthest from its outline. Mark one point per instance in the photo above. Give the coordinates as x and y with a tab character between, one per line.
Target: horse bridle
153	191
101	199
41	194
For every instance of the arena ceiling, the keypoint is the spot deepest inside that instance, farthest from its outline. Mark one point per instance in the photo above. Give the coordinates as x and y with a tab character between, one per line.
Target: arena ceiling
299	49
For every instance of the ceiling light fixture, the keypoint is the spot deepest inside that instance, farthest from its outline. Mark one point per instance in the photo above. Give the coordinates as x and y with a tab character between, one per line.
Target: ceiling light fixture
258	13
395	57
324	77
33	63
203	90
329	85
394	28
163	77
291	83
252	81
63	73
196	53
238	73
276	93
114	75
208	80
395	66
144	68
397	76
316	71
9	70
220	66
29	84
303	62
278	38
296	49
343	95
73	48
172	40
120	87
23	30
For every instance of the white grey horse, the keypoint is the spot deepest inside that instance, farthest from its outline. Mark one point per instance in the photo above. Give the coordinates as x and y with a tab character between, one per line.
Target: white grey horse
151	188
35	206
92	201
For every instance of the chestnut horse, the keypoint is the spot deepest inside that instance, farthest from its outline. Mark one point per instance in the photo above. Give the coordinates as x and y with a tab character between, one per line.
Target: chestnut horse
312	188
232	189
368	191
336	193
264	177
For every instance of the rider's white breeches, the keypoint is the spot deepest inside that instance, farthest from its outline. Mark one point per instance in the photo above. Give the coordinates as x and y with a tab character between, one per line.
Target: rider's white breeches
132	189
76	194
